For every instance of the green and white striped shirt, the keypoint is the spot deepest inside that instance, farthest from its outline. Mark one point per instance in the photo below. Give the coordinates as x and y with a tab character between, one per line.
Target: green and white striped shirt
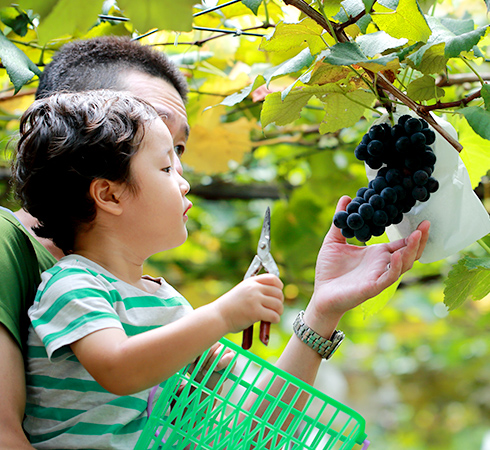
66	408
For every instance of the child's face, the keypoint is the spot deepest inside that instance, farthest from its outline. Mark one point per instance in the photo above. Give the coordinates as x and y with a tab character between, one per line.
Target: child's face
155	215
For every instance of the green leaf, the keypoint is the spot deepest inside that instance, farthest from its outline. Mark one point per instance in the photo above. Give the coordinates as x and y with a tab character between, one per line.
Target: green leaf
377	303
302	59
290	35
464	42
468	279
349	53
424	88
15	20
237	97
20	68
368	4
253	5
344	109
281	112
478	118
485	93
41	7
407	21
375	43
162	14
67	18
331	7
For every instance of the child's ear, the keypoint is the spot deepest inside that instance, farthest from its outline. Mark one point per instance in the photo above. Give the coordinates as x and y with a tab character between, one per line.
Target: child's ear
106	195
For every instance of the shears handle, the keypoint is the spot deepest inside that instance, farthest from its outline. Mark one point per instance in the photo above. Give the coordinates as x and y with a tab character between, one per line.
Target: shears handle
247	338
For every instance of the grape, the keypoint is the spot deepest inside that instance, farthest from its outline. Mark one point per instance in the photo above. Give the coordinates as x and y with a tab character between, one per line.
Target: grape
420	177
368	194
393	177
413	125
377	202
347	233
432	185
375	148
361	191
379	184
352	207
404	160
389	195
430	136
376	132
366	211
380	218
403	144
363	234
361	152
419	193
355	221
418	139
340	219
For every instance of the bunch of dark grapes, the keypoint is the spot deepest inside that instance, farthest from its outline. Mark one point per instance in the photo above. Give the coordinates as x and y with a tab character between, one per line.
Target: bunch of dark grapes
405	161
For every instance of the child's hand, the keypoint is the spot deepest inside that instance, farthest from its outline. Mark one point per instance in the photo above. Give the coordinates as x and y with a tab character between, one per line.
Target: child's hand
255	299
208	363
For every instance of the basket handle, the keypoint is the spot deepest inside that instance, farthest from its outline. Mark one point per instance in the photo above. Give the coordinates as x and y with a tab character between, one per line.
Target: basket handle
365	445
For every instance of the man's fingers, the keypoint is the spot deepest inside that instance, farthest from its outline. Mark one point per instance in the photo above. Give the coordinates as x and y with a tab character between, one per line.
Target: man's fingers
334	234
424	229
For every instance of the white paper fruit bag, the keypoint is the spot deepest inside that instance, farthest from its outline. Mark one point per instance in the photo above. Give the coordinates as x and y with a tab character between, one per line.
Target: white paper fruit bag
457	216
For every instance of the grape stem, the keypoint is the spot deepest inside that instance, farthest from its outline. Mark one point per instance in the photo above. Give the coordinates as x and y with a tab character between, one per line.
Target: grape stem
484	246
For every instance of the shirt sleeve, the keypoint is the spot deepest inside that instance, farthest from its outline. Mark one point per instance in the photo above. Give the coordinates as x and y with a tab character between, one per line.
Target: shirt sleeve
71	304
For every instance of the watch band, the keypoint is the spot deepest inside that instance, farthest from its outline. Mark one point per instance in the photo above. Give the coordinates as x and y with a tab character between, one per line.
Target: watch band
325	347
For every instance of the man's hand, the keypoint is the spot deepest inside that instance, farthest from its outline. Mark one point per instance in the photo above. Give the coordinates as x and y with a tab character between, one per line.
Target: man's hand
347	275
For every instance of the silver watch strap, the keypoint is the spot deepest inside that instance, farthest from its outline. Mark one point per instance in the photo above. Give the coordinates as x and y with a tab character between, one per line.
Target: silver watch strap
324	347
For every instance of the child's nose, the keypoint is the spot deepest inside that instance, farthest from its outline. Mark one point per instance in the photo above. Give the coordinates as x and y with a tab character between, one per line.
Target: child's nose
184	186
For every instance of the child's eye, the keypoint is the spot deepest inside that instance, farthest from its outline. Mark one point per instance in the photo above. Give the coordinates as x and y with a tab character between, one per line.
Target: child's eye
167	169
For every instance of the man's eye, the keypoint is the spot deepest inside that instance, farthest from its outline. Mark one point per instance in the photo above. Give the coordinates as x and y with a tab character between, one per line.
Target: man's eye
179	150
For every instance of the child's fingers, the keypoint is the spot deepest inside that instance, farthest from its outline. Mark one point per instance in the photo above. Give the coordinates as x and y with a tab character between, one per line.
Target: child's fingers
268	279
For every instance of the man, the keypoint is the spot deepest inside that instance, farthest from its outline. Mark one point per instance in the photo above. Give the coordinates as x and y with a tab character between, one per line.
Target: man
345	276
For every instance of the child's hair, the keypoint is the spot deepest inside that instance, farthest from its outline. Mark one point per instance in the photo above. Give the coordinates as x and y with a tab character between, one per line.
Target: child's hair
67	141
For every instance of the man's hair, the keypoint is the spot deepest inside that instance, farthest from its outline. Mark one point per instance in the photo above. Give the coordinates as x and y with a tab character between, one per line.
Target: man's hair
102	62
68	140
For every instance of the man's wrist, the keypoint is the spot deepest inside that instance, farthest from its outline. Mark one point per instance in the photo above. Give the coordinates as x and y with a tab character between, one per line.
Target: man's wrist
323	324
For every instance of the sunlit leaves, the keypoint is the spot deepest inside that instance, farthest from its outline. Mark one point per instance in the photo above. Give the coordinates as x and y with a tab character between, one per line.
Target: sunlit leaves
253	5
344	109
291	35
374	43
19	67
350	53
424	88
163	14
407	21
479	120
468	279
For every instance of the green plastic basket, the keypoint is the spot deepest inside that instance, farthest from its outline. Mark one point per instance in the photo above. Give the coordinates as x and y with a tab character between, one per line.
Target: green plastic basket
189	415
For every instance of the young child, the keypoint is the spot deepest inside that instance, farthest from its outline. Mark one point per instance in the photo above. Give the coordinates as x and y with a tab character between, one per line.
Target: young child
97	170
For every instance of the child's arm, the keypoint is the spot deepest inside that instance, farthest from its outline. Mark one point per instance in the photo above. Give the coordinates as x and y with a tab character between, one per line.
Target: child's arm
125	365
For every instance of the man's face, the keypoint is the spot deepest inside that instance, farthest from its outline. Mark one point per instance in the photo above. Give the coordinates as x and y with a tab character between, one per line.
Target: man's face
168	104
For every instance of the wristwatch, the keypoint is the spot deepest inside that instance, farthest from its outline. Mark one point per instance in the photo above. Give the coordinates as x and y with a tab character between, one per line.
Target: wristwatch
325	347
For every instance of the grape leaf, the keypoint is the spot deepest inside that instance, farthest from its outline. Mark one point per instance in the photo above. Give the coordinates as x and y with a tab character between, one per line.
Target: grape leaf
41	7
67	17
15	20
290	35
237	97
407	21
479	120
163	14
424	88
281	112
468	279
429	59
331	7
349	53
20	68
253	5
374	43
485	93
344	109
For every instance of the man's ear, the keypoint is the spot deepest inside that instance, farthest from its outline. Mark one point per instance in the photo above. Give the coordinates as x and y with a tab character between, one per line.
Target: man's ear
106	195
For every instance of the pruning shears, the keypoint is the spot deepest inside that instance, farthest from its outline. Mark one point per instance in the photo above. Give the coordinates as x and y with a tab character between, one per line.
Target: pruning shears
262	260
